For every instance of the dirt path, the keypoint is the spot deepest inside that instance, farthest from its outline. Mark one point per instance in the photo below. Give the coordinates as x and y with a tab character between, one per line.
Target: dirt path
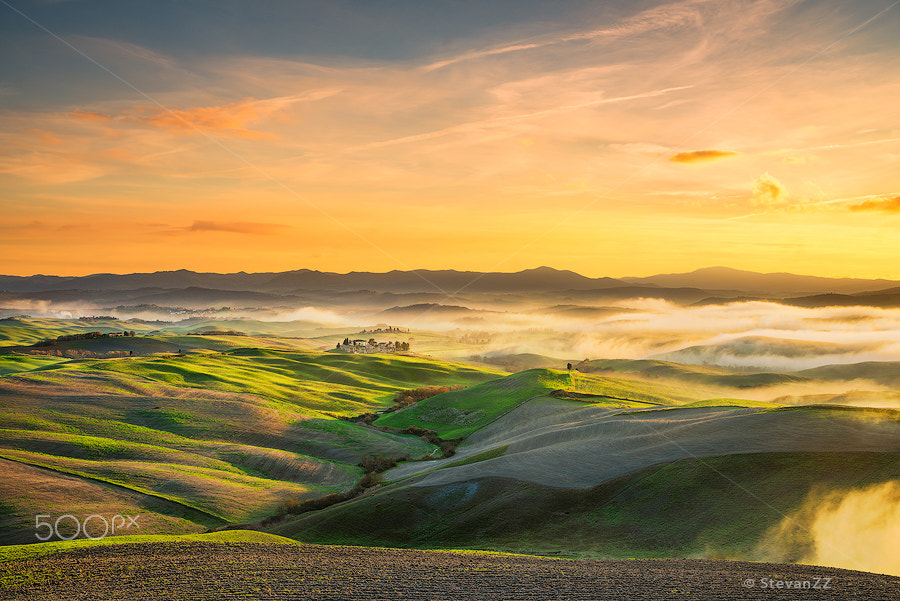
155	571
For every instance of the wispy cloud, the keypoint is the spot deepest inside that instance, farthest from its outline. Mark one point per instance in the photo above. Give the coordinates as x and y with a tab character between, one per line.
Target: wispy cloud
90	116
701	156
236	227
492	126
668	16
508	119
232	118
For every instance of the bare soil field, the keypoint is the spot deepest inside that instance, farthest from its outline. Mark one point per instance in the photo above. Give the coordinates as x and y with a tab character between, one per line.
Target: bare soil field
202	570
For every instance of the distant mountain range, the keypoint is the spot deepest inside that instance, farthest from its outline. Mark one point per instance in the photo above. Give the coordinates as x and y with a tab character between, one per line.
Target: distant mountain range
442	281
304	286
448	281
762	284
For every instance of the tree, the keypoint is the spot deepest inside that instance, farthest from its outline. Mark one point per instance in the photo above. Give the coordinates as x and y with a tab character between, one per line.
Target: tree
569	366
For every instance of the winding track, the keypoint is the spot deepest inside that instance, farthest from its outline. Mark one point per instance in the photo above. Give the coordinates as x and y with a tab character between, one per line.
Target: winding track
201	570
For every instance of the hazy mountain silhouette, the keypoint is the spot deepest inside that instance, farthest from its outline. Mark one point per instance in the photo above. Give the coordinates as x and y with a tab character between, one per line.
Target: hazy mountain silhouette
765	284
444	281
685	287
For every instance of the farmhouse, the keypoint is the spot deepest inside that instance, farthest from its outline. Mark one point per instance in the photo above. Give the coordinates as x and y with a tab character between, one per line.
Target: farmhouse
371	346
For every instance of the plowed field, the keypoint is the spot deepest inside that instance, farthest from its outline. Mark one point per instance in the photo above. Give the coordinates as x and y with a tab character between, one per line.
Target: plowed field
199	570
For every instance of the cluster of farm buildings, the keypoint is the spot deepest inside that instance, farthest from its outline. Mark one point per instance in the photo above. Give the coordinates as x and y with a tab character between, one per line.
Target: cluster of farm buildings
371	346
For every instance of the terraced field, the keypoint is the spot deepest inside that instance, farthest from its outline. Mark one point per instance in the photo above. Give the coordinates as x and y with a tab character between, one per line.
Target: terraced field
206	570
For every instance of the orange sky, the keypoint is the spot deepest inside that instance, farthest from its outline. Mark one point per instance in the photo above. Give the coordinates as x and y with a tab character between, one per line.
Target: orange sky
611	140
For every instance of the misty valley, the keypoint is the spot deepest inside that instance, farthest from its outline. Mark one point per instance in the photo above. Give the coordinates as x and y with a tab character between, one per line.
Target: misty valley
537	413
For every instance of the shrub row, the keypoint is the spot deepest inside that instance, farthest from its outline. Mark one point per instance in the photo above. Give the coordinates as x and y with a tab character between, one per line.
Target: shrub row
447	447
405	398
373	466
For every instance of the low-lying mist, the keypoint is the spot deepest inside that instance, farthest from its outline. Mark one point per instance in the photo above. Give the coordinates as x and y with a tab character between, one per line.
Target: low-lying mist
854	529
749	335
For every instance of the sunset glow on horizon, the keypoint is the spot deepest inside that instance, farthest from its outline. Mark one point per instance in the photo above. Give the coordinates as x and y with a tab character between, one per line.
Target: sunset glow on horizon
609	138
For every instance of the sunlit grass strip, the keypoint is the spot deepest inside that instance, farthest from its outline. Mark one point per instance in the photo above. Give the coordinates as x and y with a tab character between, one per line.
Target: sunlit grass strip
340	384
491	454
32	551
16	364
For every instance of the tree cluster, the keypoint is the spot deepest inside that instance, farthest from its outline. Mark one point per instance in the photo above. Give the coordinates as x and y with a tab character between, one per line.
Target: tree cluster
81	336
405	398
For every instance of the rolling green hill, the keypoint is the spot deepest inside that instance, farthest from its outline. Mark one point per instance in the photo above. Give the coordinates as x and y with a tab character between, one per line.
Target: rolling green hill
711	507
621	459
28	330
196	441
13	364
30	551
695	375
460	413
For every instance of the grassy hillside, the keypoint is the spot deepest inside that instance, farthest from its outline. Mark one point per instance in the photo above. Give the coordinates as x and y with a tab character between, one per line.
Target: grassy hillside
460	413
571	444
31	551
251	327
13	364
337	383
514	362
19	331
886	373
695	375
200	440
715	506
642	458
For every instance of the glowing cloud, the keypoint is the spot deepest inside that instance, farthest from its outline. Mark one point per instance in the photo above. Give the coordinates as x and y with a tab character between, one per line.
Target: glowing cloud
768	191
701	156
221	119
230	118
888	205
90	116
552	127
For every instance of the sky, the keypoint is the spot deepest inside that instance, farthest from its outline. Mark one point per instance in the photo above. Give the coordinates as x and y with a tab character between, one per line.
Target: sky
609	138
